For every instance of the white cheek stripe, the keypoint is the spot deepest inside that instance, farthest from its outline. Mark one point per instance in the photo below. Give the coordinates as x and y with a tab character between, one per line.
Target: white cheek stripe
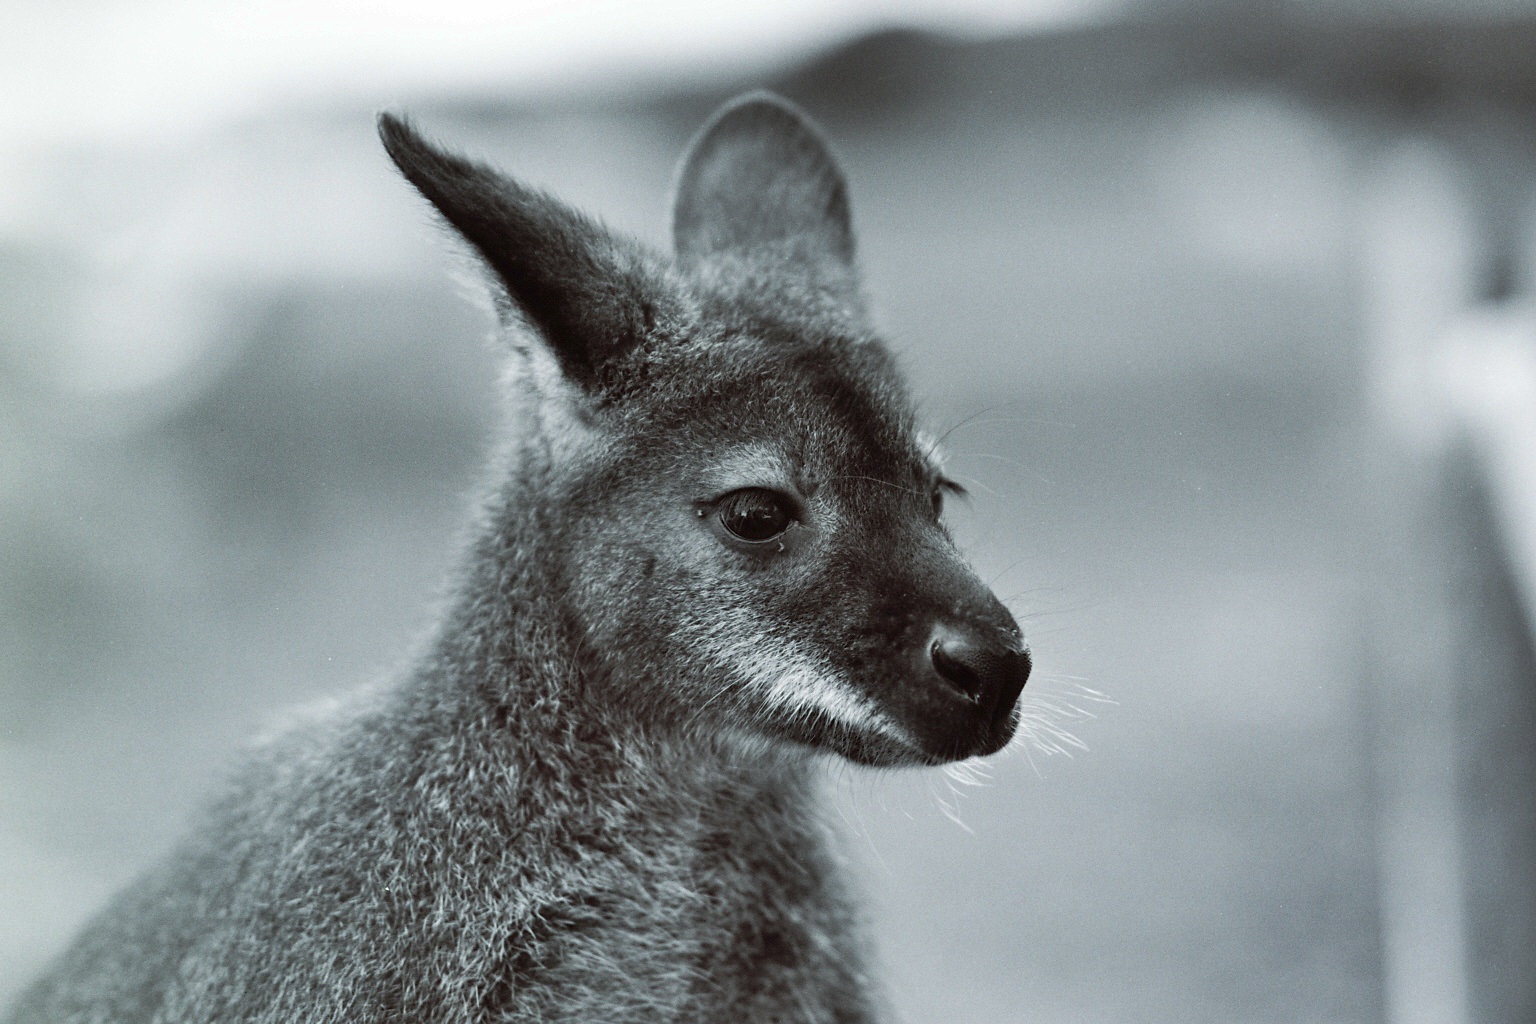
797	683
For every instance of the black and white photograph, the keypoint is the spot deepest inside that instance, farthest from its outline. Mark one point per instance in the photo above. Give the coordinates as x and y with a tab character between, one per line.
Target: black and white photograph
858	512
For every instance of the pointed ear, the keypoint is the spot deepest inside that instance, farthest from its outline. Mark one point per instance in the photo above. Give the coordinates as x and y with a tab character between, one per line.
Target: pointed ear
759	176
591	296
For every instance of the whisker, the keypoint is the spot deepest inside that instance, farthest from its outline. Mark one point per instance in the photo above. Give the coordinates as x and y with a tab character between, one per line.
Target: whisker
975	419
1009	461
876	480
992	582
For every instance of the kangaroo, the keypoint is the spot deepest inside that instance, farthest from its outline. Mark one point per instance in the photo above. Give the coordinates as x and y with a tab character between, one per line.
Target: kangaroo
710	557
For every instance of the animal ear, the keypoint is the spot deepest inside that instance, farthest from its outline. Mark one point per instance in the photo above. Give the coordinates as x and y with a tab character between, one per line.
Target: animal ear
759	176
591	296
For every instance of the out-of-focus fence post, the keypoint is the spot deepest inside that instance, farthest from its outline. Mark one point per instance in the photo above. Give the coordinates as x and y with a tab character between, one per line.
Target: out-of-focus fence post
1453	604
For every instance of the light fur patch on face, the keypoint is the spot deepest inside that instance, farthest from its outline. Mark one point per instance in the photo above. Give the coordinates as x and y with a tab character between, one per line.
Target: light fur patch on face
794	681
932	452
750	466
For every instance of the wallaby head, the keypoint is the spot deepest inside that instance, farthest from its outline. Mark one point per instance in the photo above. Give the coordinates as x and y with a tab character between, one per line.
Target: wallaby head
740	519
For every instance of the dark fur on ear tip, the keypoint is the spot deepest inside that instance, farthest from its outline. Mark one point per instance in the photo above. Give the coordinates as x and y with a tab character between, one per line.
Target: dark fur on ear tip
394	131
591	295
435	172
760	174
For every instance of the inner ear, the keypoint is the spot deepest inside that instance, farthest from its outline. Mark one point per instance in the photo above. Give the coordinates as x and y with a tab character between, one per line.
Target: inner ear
759	177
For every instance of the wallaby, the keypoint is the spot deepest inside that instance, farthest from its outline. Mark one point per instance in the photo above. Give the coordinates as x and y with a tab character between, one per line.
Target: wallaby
711	556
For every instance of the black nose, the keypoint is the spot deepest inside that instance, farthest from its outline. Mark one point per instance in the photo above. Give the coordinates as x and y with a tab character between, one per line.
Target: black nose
989	673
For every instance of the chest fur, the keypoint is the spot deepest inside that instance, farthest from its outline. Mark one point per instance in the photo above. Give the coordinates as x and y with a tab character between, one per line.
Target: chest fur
737	912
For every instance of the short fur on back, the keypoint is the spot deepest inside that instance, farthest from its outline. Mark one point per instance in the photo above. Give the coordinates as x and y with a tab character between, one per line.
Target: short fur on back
711	555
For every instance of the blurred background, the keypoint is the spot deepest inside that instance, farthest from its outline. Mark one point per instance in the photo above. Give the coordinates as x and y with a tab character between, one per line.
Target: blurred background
1226	305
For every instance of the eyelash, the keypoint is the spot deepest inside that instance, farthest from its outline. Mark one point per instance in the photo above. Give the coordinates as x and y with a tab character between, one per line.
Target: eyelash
942	486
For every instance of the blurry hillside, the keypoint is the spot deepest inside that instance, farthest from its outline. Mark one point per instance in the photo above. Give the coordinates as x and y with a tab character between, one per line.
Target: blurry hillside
242	402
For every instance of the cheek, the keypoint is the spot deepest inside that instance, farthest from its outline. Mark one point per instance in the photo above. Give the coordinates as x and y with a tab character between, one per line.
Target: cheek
633	577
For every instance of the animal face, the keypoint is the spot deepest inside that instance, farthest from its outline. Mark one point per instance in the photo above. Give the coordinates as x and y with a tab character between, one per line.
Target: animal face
748	521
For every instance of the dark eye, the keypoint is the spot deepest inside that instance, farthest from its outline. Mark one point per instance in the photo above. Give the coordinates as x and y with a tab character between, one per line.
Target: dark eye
944	485
755	514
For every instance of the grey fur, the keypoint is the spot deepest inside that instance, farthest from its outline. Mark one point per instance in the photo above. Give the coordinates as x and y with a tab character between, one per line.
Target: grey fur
593	797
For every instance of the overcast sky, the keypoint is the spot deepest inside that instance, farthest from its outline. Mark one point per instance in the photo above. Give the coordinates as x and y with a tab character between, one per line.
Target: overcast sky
91	69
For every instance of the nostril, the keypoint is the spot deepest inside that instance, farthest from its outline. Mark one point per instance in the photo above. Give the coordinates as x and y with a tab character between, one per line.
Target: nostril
955	672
